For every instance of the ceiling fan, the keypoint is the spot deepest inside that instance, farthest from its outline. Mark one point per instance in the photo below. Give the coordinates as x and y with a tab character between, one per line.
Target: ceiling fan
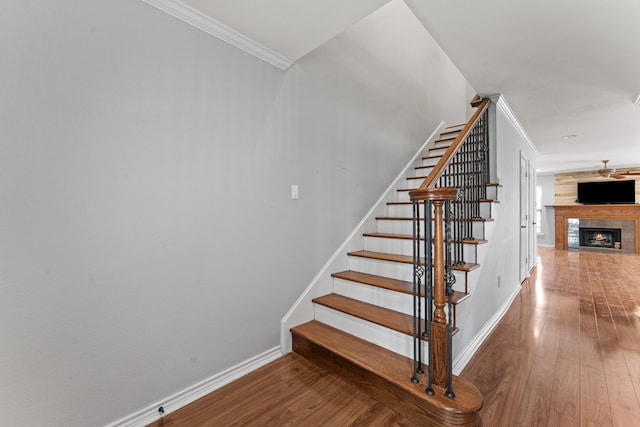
607	172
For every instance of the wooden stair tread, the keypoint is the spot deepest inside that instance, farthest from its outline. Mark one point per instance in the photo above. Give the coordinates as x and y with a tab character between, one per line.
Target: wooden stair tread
390	284
406	259
450	132
410	237
391	319
405	218
411	203
400	190
391	236
386	375
471	241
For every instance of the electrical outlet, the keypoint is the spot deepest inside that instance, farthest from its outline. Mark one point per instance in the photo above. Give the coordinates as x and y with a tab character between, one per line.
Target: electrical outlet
295	192
161	410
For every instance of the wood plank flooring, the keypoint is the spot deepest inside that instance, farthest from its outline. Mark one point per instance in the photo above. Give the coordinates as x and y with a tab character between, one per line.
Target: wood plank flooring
290	391
567	353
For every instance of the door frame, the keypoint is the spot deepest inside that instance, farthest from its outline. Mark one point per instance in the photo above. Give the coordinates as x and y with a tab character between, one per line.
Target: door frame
524	223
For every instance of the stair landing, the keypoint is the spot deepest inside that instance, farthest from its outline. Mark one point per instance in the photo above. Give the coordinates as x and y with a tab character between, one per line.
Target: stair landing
386	376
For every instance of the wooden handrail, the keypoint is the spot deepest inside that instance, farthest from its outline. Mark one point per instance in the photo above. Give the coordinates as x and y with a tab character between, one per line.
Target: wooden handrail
440	193
453	188
438	169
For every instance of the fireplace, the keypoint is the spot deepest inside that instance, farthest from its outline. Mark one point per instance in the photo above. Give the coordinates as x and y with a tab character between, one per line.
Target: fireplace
624	217
601	237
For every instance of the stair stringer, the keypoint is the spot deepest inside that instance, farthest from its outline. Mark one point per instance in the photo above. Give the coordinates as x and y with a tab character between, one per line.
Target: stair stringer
303	309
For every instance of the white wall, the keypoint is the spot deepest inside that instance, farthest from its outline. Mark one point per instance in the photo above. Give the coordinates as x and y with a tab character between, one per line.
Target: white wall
547	183
499	275
148	239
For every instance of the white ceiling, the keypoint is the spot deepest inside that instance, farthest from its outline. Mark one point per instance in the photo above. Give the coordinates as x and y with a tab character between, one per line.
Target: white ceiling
291	28
569	67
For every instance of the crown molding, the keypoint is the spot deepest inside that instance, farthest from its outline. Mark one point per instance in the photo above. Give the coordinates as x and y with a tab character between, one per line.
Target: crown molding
197	19
504	106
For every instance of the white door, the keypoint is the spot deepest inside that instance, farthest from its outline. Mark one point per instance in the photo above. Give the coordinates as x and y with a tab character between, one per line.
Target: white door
524	217
532	259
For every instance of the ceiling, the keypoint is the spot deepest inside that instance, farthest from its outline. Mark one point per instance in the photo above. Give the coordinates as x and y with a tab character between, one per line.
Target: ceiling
565	68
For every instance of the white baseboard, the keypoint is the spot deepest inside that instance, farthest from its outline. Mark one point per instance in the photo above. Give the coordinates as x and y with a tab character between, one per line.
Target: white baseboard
546	245
473	346
196	391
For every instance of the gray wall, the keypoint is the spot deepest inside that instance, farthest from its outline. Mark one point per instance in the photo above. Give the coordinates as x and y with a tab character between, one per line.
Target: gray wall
547	184
148	239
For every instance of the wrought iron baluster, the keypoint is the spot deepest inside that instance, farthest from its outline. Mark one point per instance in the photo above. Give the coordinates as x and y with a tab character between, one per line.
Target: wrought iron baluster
428	288
418	273
449	281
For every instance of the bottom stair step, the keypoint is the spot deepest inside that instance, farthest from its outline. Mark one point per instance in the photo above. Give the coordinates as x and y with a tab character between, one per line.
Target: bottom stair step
386	376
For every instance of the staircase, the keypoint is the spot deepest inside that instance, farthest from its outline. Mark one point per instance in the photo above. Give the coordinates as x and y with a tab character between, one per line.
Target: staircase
364	329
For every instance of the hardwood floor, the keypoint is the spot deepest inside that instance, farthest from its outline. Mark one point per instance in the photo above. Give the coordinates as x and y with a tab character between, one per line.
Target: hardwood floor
567	353
290	391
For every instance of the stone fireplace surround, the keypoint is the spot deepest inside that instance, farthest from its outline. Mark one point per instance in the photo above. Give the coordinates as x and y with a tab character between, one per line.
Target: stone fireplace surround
625	217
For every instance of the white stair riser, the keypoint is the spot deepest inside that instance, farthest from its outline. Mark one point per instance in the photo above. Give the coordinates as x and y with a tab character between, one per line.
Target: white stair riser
430	161
407	210
395	226
405	247
376	334
422	171
437	151
392	246
394	270
397	301
485	209
402	210
492	192
411	183
443	144
478	230
402	196
391	226
470	253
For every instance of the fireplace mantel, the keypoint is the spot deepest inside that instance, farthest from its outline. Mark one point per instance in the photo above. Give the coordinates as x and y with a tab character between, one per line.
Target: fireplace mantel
620	212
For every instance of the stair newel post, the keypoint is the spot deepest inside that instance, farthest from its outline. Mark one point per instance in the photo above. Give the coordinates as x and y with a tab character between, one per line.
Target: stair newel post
418	273
438	325
438	345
